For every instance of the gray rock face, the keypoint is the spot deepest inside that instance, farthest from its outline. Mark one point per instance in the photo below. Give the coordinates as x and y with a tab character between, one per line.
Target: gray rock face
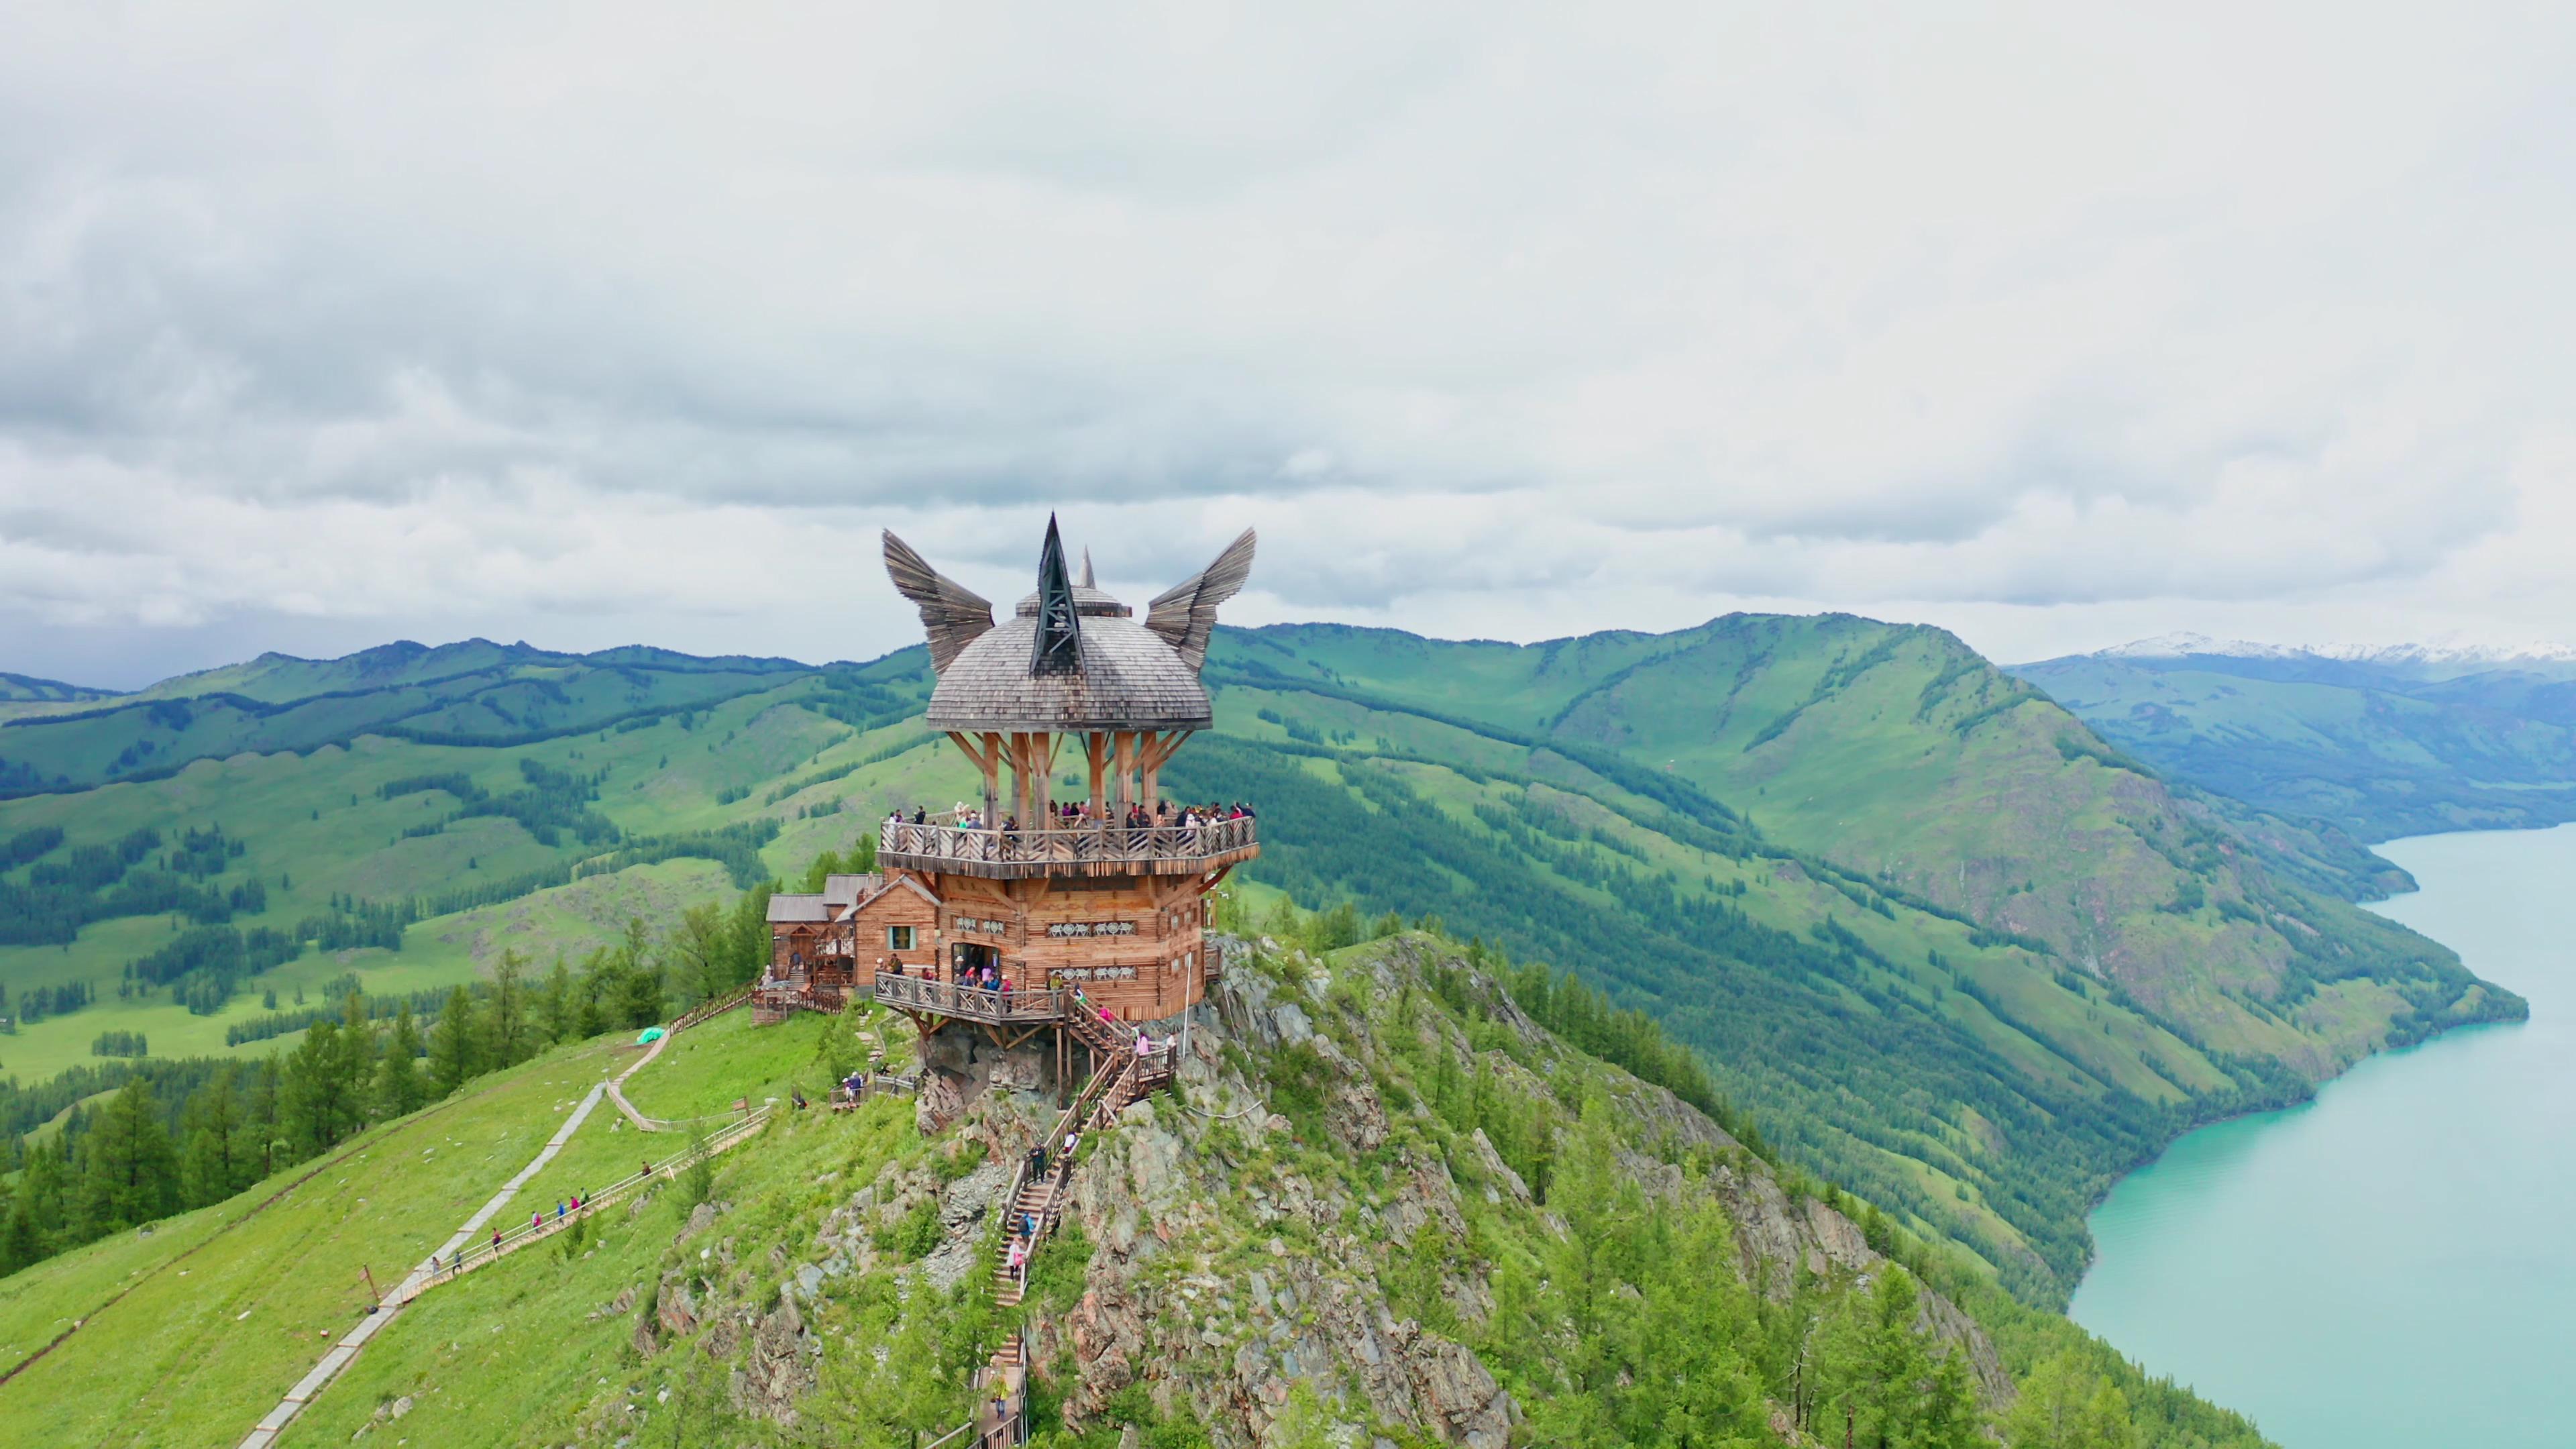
676	1311
1160	1202
701	1218
777	1370
939	1103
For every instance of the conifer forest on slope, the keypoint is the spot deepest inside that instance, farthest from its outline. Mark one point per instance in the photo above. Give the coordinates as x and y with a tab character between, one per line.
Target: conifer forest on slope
1938	942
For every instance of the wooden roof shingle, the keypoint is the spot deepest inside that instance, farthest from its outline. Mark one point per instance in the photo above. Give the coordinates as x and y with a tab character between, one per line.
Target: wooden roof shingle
1132	675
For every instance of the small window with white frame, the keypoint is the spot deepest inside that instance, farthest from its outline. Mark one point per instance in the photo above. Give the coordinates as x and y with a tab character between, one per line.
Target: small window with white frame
898	938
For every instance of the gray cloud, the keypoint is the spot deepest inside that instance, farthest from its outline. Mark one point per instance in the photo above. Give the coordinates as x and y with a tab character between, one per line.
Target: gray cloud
604	324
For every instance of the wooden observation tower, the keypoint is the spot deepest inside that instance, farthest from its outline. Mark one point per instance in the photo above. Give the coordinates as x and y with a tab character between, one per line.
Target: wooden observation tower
1093	910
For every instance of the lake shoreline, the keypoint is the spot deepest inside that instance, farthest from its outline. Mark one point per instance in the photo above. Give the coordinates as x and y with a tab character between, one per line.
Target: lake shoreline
2377	1265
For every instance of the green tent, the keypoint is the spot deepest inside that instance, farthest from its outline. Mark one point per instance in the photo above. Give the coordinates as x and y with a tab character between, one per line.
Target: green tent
651	1035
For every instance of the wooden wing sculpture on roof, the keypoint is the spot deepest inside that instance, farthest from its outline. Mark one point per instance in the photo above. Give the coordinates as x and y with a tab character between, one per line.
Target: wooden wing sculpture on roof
952	614
1185	614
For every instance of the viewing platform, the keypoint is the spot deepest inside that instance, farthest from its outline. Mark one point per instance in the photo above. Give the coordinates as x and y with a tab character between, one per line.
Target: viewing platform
1087	850
972	1003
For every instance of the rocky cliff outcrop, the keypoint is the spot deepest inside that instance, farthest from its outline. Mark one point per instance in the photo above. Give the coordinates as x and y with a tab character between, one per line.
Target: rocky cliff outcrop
1228	1268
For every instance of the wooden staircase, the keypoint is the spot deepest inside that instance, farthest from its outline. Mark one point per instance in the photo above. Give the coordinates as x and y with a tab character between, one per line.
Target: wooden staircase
1101	1034
1036	1204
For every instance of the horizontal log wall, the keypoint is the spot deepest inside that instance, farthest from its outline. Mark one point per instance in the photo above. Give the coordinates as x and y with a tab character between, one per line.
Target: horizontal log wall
1133	944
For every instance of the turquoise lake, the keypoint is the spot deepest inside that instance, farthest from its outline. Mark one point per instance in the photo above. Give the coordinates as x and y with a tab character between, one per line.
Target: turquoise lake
2393	1265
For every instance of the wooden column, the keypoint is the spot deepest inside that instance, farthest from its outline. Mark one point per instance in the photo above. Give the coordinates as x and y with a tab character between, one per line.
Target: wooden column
1156	754
1126	771
1046	778
992	774
1021	784
1095	751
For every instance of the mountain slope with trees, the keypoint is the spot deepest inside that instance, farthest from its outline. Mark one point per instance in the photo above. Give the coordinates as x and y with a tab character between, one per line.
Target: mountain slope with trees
1403	1188
1943	945
2380	746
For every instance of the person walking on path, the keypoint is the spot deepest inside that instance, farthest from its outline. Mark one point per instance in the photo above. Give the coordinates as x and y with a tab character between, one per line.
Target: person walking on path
559	1212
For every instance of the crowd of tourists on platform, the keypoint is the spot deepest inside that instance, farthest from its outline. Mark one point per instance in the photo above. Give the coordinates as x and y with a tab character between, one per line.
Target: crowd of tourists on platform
1078	815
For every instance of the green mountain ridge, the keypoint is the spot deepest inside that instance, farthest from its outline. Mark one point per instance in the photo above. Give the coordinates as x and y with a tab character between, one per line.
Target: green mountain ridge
2376	750
1948	948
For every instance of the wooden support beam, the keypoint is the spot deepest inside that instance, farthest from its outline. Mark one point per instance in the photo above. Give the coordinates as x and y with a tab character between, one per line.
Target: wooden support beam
1095	751
1156	754
1046	779
1017	753
992	774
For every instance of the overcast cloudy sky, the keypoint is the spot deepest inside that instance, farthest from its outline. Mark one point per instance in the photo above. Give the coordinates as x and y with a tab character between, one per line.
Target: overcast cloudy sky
328	324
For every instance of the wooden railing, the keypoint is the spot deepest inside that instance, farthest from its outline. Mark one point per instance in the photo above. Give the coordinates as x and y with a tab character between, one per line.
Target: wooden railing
476	1255
920	993
705	1009
1096	849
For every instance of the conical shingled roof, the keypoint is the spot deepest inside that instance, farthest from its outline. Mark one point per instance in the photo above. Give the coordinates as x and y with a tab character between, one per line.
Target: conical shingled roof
1132	675
1129	680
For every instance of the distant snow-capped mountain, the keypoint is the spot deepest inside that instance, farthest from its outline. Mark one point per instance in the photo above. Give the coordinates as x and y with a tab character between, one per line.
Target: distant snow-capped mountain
2444	654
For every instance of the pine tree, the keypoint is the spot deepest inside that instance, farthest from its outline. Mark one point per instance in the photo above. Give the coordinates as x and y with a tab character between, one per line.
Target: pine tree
2064	1403
129	1172
596	994
354	1069
217	1159
700	949
455	1044
21	1241
507	1020
640	1000
399	1088
555	1009
37	1219
314	1102
260	1119
825	866
751	943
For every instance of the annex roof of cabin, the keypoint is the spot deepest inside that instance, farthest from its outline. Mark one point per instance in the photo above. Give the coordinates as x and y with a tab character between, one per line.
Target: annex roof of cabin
1070	657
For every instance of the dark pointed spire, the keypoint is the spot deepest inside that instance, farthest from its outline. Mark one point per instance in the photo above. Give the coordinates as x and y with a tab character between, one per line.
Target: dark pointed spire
1059	641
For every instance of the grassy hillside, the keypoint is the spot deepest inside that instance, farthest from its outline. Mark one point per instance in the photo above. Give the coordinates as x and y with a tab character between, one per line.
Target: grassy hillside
2376	750
408	856
1958	952
1950	949
190	1333
1899	754
1387	1199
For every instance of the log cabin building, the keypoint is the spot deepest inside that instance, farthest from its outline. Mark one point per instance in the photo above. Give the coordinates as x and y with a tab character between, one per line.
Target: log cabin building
1087	914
